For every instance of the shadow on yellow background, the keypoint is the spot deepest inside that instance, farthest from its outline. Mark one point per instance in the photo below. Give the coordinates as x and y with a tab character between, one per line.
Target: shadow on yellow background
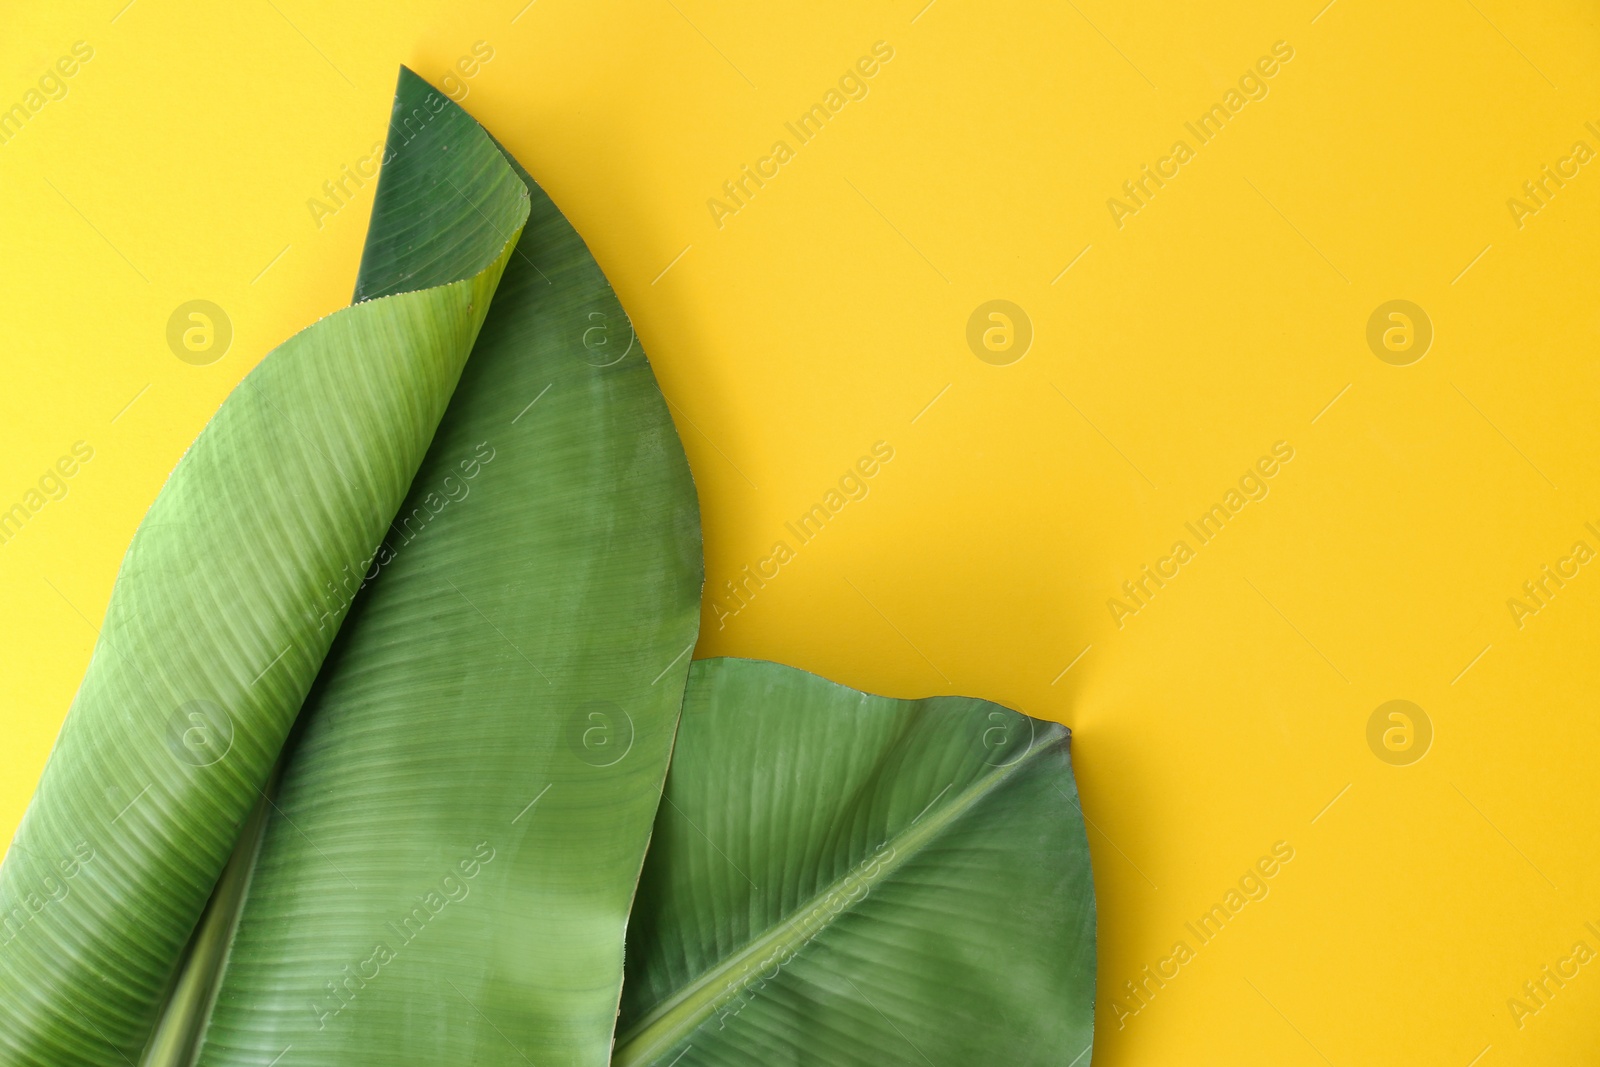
1199	487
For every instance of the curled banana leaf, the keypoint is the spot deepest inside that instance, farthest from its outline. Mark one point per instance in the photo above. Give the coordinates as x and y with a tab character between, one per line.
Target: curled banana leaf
470	586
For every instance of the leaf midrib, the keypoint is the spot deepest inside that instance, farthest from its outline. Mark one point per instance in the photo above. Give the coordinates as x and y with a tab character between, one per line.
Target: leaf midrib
684	1011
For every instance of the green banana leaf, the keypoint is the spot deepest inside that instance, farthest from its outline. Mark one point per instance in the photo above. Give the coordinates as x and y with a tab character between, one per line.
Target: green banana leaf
507	549
371	747
842	879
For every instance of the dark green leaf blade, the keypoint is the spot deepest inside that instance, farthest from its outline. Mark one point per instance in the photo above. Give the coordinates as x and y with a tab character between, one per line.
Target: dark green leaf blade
462	823
845	879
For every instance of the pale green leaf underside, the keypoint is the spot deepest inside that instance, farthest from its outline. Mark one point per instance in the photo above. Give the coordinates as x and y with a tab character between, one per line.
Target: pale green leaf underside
840	879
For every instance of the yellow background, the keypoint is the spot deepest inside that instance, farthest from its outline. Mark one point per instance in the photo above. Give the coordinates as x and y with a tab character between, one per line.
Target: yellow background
826	314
